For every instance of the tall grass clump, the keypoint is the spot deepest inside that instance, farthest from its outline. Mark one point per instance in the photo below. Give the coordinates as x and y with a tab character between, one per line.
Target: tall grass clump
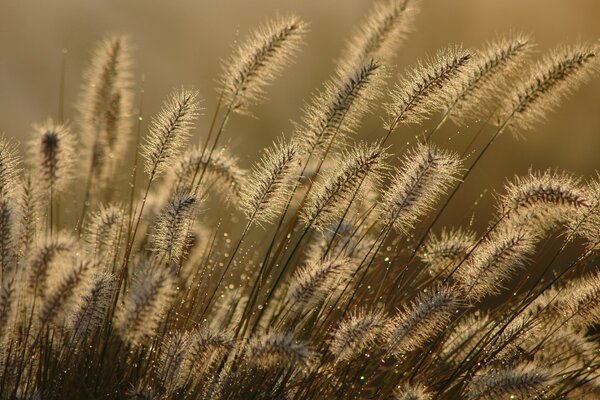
320	273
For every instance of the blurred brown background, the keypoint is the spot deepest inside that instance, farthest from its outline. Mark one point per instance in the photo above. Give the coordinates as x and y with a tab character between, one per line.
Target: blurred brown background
182	42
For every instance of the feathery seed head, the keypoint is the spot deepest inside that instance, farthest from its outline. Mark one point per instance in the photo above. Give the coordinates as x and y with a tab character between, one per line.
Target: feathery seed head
582	303
332	194
355	334
338	109
418	322
65	290
551	80
525	381
9	167
428	87
7	297
586	221
494	260
314	282
425	174
278	350
270	183
106	103
104	230
169	130
221	173
53	155
383	32
171	236
442	253
258	60
546	198
146	302
90	312
412	392
50	252
489	77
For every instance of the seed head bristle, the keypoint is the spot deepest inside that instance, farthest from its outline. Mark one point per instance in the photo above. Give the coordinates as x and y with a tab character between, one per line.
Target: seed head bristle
492	71
386	27
412	392
277	350
171	236
314	282
105	105
544	198
582	303
355	334
425	174
258	60
53	155
269	185
146	302
65	291
493	260
221	173
105	230
524	381
428	87
169	130
90	312
331	194
9	168
554	78
418	322
339	108
442	253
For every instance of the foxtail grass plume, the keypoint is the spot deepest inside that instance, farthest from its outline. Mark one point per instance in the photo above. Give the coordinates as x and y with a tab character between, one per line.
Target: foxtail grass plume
551	80
90	311
65	290
428	87
105	105
380	36
357	333
171	236
338	187
544	197
493	260
421	320
146	302
524	381
9	168
492	70
221	173
586	222
6	308
105	231
270	183
277	350
258	60
53	155
413	392
339	107
43	257
29	205
425	174
465	336
312	283
441	253
583	300
169	131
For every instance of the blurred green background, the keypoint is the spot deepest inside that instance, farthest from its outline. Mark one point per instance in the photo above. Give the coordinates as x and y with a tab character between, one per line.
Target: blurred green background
182	42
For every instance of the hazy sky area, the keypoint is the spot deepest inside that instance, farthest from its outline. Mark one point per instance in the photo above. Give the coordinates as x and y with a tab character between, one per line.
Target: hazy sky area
182	42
